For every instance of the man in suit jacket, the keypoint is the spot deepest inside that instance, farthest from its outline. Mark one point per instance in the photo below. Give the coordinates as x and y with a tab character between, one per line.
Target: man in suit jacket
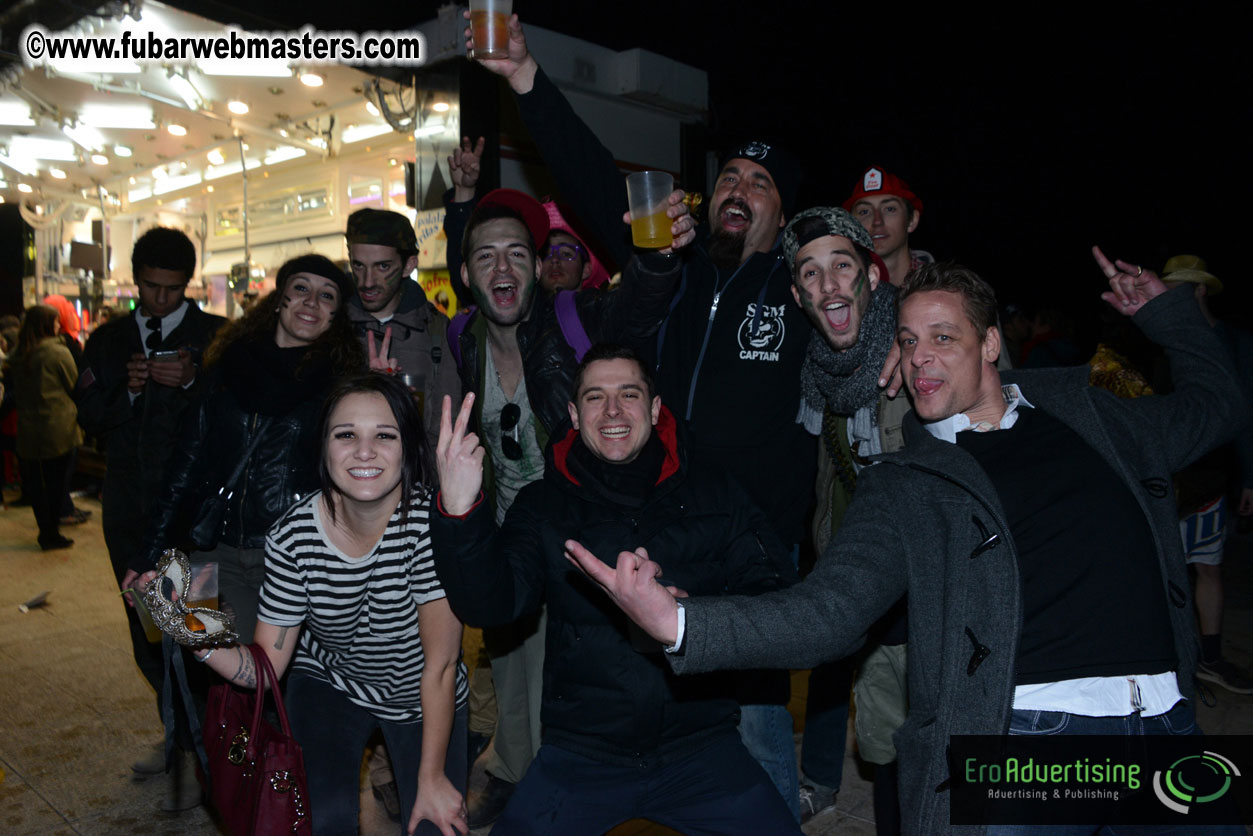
133	402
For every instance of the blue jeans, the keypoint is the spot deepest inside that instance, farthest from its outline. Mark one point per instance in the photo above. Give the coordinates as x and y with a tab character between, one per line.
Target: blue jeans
826	723
766	731
332	732
1178	721
716	790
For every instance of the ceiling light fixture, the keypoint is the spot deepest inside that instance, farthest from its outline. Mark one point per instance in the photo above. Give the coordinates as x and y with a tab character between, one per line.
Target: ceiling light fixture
440	107
311	79
216	157
138	117
37	148
245	67
24	188
86	136
121	151
176	129
237	107
57	173
99	159
356	133
15	113
186	90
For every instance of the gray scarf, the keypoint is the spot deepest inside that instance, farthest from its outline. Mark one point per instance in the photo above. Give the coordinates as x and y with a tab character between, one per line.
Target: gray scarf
845	381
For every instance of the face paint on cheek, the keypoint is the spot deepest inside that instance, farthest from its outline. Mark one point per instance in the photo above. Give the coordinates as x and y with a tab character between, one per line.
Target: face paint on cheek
807	300
288	301
860	284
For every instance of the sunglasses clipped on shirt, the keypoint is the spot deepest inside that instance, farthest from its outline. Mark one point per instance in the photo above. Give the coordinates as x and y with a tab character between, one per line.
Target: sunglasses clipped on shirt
509	443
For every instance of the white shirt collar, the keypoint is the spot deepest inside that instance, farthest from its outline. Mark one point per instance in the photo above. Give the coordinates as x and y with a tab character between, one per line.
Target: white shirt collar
946	429
168	322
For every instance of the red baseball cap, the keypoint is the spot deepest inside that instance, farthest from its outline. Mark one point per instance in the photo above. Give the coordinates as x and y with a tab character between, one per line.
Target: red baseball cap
876	181
533	213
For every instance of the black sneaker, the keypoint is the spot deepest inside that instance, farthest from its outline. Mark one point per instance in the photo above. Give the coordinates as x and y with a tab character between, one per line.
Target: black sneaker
1223	673
486	806
814	799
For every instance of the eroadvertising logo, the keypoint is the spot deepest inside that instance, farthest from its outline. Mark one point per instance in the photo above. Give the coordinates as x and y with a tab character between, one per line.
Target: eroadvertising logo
1098	779
1193	780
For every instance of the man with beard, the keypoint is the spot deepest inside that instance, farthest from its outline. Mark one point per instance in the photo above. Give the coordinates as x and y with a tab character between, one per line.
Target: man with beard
402	331
727	359
514	357
838	281
734	335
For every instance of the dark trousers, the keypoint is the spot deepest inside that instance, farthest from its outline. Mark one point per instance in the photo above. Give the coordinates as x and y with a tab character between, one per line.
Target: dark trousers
332	733
43	483
123	539
719	789
67	502
826	723
1180	720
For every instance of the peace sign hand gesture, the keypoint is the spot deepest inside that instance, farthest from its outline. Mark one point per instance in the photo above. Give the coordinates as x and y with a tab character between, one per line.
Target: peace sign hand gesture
458	459
381	359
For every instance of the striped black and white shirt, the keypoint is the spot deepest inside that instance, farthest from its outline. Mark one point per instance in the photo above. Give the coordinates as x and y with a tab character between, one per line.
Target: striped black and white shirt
359	616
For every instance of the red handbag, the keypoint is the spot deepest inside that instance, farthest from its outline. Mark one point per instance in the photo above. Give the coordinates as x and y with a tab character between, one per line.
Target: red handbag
257	776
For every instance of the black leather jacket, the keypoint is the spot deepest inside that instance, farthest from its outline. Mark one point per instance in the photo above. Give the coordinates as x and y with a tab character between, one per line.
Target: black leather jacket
282	468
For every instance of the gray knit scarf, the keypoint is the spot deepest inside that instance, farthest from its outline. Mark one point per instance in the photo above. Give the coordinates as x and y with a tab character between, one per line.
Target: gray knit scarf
845	381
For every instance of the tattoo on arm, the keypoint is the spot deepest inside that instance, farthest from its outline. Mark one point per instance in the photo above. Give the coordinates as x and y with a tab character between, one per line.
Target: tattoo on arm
245	674
282	638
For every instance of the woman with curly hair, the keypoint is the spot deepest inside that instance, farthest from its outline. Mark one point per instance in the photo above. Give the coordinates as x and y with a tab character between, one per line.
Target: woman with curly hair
250	450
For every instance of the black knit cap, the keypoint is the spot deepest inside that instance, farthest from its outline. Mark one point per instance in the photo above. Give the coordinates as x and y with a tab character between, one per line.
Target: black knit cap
379	226
318	265
783	168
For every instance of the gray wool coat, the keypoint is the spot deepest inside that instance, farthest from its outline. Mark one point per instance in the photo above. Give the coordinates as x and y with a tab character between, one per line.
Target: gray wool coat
926	520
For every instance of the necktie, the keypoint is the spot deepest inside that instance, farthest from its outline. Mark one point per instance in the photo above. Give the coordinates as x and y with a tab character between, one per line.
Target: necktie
154	339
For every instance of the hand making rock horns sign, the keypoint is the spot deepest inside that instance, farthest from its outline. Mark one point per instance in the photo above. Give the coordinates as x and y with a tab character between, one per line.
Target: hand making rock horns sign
1130	286
459	460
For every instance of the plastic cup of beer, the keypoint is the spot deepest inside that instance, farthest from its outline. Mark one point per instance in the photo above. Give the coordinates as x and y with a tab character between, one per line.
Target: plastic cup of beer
202	592
151	631
648	196
489	26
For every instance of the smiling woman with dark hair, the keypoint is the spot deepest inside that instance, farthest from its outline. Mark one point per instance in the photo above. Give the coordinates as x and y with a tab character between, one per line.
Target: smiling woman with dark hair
352	605
250	450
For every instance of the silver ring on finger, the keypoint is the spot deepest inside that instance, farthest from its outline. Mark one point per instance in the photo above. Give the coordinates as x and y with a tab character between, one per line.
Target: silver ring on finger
1139	272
